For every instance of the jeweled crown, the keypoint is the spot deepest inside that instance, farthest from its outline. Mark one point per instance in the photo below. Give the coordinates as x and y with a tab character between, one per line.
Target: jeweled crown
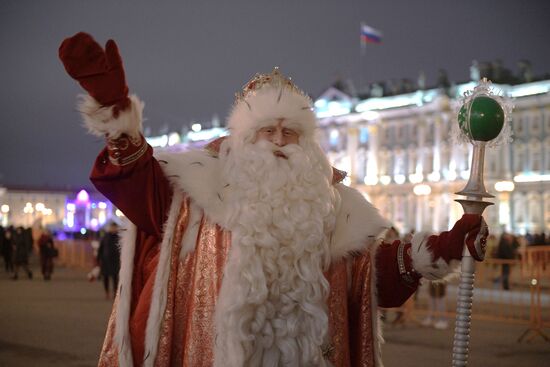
274	79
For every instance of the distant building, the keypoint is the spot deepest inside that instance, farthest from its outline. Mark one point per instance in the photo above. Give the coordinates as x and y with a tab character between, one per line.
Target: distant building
58	209
397	151
394	142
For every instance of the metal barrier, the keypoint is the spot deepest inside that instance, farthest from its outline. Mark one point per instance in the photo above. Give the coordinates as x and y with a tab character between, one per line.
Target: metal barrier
526	302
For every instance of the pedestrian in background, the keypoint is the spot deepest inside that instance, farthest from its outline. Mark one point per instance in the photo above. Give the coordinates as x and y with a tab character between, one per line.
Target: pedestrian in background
6	239
507	250
47	253
21	252
108	258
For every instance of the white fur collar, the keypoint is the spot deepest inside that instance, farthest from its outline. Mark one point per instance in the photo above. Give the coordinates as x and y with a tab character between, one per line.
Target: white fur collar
197	173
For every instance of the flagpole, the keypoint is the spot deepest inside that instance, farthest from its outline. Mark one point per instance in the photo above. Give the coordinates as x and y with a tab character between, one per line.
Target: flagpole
362	52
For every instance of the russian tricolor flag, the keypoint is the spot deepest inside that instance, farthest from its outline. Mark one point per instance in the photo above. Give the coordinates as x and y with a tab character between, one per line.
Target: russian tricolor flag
370	35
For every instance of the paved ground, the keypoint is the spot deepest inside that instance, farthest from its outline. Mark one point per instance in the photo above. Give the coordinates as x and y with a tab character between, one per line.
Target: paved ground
62	323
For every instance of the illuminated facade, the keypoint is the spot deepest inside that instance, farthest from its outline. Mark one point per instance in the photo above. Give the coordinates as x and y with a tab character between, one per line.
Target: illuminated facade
66	210
398	152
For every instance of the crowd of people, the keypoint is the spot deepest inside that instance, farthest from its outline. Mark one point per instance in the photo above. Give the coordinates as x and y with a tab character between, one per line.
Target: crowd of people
17	245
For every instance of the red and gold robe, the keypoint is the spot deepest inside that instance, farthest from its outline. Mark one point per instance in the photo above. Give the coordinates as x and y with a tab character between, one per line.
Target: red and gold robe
173	257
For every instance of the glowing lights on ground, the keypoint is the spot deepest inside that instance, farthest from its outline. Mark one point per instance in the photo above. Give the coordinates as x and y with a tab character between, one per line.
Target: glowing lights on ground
399	179
451	176
157	141
416	178
385	180
370	180
465	174
422	190
504	186
173	139
102	205
434	176
118	213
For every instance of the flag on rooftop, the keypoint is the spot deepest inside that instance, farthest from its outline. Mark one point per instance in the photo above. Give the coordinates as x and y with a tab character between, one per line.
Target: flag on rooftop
370	35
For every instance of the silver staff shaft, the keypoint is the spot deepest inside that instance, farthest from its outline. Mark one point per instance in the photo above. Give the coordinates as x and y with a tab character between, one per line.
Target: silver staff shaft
473	204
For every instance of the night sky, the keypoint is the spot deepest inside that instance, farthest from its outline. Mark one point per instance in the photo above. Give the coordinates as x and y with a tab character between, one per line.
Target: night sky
186	59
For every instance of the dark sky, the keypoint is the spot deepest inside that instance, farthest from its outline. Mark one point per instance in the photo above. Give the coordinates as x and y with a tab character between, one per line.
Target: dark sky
186	59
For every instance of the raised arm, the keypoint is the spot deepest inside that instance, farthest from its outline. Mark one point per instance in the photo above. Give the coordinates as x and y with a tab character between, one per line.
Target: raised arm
400	265
125	171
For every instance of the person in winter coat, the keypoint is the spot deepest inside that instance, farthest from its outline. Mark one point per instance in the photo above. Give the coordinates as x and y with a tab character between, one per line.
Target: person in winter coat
20	253
108	258
47	254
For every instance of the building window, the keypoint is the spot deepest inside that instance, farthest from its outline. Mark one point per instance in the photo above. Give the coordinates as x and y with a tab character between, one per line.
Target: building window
546	116
518	125
536	124
427	165
493	159
413	132
384	162
361	163
444	158
334	139
399	132
363	135
519	158
535	156
534	213
399	167
388	134
429	132
411	161
519	210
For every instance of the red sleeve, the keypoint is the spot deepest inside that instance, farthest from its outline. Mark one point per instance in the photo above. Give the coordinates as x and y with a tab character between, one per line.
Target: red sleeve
131	178
393	289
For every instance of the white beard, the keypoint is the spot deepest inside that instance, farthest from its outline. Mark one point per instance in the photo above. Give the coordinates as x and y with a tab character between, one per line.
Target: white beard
272	305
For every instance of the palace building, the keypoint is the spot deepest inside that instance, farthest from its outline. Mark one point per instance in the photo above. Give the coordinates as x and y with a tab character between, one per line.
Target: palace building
399	153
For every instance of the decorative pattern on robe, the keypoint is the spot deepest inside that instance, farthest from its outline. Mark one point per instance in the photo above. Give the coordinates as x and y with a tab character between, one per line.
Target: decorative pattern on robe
187	329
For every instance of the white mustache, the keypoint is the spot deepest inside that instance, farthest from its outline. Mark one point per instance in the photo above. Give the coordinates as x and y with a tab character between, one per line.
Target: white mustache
287	150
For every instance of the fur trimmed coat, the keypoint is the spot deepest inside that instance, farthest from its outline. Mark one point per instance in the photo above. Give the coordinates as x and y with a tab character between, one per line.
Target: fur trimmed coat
174	252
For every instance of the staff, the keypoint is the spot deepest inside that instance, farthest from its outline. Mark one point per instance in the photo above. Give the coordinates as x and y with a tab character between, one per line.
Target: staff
481	120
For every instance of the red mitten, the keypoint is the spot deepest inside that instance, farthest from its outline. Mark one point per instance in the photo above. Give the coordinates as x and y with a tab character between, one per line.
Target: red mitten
99	72
470	230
